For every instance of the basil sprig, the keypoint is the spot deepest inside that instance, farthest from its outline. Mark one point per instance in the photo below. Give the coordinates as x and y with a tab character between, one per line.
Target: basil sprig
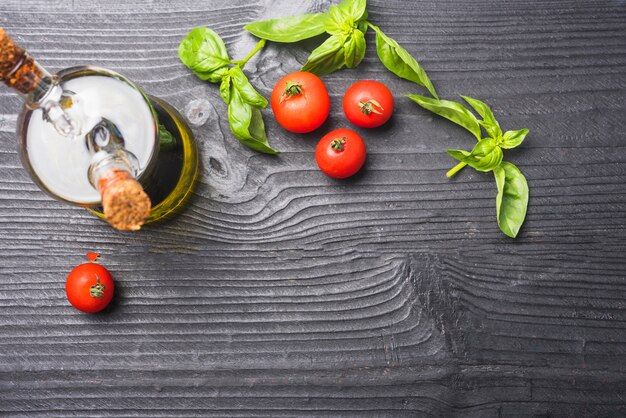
346	24
204	53
512	198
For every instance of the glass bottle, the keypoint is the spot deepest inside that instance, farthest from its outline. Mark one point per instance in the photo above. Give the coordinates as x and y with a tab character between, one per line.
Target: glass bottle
90	137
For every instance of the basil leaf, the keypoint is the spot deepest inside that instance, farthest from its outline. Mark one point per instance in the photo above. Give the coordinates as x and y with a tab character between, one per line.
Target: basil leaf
215	77
512	198
327	57
289	29
225	88
354	49
512	139
362	24
489	121
485	156
400	62
246	123
203	52
338	22
453	111
354	8
246	90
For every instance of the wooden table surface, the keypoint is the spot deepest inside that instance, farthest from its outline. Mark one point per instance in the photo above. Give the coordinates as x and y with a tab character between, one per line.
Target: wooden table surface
281	292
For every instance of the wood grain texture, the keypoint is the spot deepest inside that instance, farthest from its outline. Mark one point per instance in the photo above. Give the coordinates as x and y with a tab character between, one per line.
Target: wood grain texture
280	292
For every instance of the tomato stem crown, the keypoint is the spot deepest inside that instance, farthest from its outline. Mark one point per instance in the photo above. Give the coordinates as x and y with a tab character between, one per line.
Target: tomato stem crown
368	107
337	144
294	88
97	290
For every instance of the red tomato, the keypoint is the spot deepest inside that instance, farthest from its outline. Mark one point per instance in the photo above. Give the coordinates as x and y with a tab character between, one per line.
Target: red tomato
300	102
340	153
89	287
368	104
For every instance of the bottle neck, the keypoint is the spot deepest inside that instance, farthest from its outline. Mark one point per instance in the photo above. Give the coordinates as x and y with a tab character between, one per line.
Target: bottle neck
19	71
125	204
38	88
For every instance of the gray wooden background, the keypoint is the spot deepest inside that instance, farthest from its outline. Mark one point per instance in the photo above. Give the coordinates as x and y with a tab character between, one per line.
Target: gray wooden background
281	292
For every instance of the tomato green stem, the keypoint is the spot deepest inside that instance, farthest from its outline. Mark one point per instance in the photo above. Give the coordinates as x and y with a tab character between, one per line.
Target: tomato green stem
455	169
97	290
257	48
293	88
337	144
368	107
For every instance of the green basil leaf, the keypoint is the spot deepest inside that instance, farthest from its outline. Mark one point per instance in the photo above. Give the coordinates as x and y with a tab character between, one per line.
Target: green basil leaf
354	8
246	90
289	29
362	24
354	49
225	89
203	52
215	77
400	62
453	111
327	57
338	22
485	156
246	123
489	121
512	139
512	198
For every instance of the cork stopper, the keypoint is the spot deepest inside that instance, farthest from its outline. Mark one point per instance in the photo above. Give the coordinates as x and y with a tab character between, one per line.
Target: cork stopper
126	205
18	70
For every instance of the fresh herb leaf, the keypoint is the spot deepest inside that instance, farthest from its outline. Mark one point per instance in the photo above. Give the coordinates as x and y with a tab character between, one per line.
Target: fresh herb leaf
248	93
354	49
289	29
327	57
225	88
338	22
489	122
203	52
512	139
453	111
246	123
354	8
214	77
362	25
400	62
512	198
485	156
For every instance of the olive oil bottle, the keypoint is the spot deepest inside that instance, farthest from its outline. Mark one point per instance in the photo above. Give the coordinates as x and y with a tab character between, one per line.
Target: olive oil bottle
90	137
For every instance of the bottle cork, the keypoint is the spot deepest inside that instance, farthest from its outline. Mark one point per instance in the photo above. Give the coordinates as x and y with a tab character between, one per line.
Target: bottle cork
18	70
126	205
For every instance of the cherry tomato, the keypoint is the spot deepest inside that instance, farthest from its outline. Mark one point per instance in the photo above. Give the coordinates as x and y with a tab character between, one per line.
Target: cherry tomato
300	102
89	287
340	153
368	104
